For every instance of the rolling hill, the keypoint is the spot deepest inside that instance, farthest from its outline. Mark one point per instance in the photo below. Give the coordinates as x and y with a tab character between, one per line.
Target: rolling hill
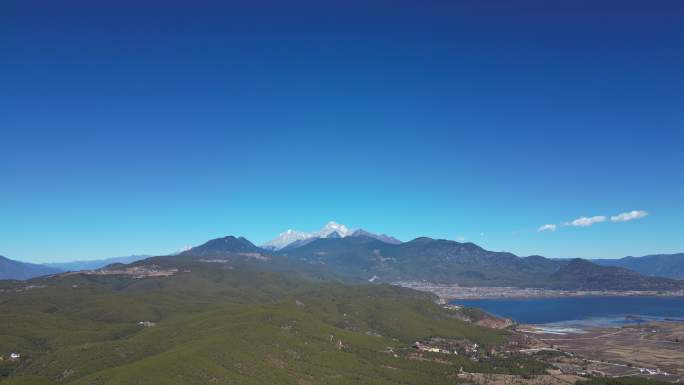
213	322
230	312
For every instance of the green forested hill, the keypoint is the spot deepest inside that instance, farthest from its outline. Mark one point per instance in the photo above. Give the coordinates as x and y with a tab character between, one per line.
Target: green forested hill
224	324
237	314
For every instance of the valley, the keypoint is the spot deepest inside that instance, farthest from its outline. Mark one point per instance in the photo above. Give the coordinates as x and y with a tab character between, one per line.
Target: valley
229	312
449	192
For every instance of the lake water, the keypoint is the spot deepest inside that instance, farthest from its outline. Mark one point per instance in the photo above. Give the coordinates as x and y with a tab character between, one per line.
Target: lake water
587	311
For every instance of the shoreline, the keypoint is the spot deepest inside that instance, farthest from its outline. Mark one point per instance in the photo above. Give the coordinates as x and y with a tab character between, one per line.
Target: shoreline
448	293
583	326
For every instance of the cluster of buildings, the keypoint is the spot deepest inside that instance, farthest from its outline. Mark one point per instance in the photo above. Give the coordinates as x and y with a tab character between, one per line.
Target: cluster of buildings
12	357
20	289
427	348
132	271
468	349
653	372
447	292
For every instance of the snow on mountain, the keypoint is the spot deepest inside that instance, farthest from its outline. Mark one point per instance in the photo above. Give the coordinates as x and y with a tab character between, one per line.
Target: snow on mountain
331	230
332	227
290	236
285	238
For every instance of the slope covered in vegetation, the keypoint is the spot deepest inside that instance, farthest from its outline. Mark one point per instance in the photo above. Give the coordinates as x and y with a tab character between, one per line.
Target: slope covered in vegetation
227	324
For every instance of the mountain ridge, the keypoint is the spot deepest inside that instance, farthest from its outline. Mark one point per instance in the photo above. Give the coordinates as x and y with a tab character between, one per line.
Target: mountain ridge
12	269
94	263
443	261
360	256
655	265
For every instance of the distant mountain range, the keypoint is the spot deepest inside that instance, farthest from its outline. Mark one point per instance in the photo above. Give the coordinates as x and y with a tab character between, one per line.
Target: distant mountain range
293	238
94	264
659	265
362	257
450	262
337	252
10	269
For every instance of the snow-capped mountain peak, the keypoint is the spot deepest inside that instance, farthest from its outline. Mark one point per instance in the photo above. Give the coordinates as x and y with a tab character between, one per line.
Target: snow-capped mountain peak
290	236
285	238
332	229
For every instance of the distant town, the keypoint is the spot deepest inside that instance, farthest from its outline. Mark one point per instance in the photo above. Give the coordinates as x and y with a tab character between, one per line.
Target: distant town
447	292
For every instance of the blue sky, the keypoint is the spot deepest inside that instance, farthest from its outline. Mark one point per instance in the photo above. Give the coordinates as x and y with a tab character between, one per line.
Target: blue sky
144	127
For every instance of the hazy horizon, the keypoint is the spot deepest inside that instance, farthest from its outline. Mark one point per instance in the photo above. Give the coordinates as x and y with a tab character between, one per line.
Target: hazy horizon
67	259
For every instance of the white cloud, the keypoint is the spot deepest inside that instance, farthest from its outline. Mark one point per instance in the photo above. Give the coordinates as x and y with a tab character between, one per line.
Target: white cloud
461	238
628	216
589	221
586	221
547	227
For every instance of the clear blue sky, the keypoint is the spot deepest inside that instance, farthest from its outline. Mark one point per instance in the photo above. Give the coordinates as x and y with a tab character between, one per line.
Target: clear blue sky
142	127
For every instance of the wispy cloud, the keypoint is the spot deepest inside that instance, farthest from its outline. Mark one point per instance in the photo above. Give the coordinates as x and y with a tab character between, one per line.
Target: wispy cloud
589	221
628	216
586	221
547	227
